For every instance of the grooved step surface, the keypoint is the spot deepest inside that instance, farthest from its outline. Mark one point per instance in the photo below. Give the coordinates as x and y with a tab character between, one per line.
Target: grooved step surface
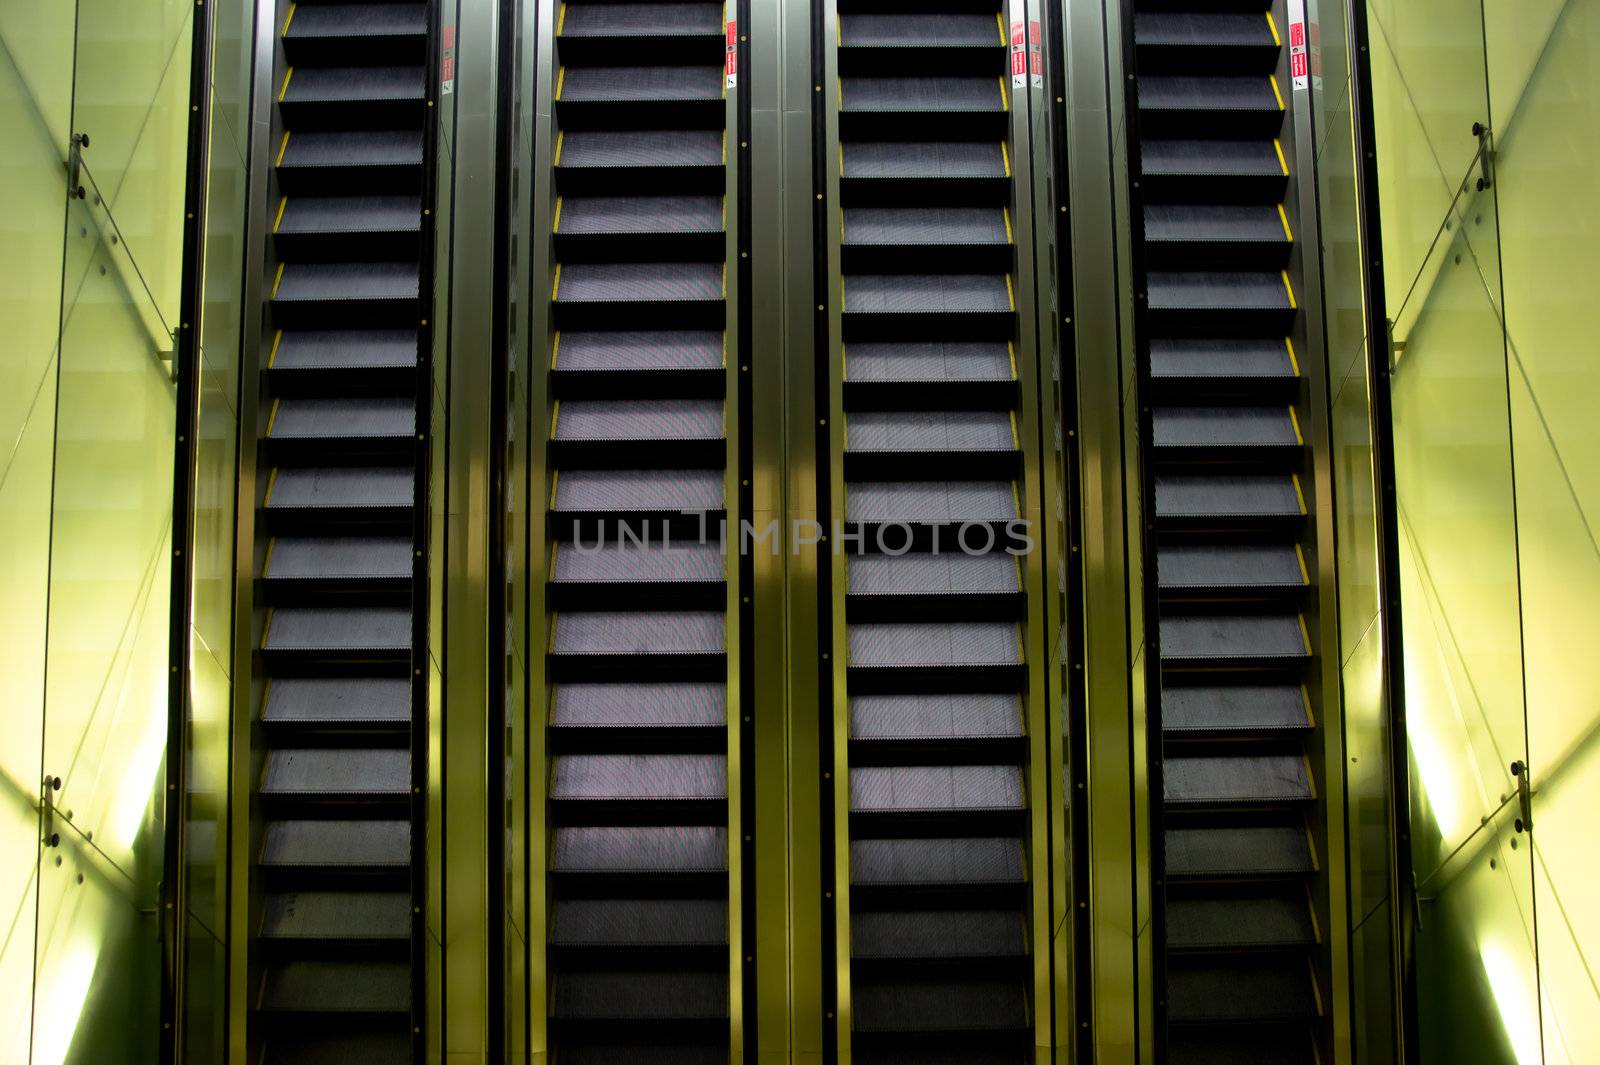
638	633
639	282
935	789
960	1005
938	934
648	562
352	844
929	361
640	84
922	160
345	349
920	574
654	705
931	502
640	214
343	418
957	644
929	431
657	777
926	293
339	629
631	148
891	31
338	557
639	490
337	772
640	922
603	351
1242	779
340	915
337	987
659	996
929	862
640	420
921	94
622	850
908	718
292	700
1224	566
351	214
644	20
925	225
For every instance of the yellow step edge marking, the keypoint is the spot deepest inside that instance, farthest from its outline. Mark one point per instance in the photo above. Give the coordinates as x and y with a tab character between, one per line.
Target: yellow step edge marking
287	74
1000	27
272	482
267	631
1011	298
1016	496
1305	633
1271	25
838	27
555	287
272	356
1283	216
276	222
1005	101
561	81
1006	214
1282	162
724	213
561	21
1289	289
283	146
1294	420
1305	574
1276	91
724	147
272	416
1294	363
840	80
287	19
1005	157
1016	439
1311	780
1011	353
554	620
1299	493
555	480
278	280
725	349
555	227
555	349
555	416
561	139
1310	714
724	280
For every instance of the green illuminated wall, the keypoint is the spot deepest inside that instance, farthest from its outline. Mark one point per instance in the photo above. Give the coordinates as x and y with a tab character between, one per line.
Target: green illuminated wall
89	297
1492	296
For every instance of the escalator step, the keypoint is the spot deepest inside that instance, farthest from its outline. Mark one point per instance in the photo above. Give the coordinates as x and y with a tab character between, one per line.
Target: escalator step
640	84
1220	567
639	282
615	352
345	350
1207	28
1228	497
1209	430
646	20
345	844
655	1053
921	94
343	419
638	777
1234	924
361	161
629	563
342	916
336	283
360	1048
925	863
649	996
942	1057
338	558
1203	359
890	1006
344	775
339	629
1232	106
640	923
1232	639
337	702
1268	988
1236	159
934	575
1233	710
633	705
925	225
638	633
927	718
929	431
910	646
1238	852
601	215
936	789
351	84
338	988
655	149
938	934
928	502
635	849
1214	224
1239	1045
922	161
941	361
639	491
345	215
640	421
1250	780
926	294
922	28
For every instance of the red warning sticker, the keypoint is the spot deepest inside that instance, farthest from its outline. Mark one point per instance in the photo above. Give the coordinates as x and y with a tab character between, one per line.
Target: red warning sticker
1298	62
447	62
1019	54
1035	53
730	65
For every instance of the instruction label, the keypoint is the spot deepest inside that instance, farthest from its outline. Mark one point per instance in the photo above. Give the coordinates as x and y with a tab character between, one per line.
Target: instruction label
1019	54
1036	53
447	62
730	67
1299	72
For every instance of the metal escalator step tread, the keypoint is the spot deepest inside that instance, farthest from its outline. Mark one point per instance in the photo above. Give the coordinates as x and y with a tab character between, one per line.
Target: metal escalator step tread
339	629
346	844
640	849
654	562
1201	28
1208	358
338	557
623	633
645	1054
929	361
649	777
1240	923
1268	989
639	490
1216	224
921	94
1217	290
312	149
926	294
932	431
938	934
643	20
936	789
336	282
296	700
588	215
919	30
910	646
345	349
581	149
640	84
1233	427
358	20
640	923
351	214
639	282
941	1057
636	351
1235	852
925	225
337	987
930	501
922	160
353	84
354	417
1236	779
343	771
936	862
935	717
1232	636
639	419
943	574
1222	566
1206	94
1245	708
1223	497
1221	158
358	1048
656	996
927	1006
1238	1045
358	915
342	486
635	705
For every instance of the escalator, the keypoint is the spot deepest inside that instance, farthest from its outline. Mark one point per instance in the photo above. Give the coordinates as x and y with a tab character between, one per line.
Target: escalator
938	815
637	661
1227	456
332	961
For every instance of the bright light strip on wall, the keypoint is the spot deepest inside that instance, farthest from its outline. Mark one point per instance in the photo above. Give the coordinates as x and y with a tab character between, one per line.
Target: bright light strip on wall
1515	1000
